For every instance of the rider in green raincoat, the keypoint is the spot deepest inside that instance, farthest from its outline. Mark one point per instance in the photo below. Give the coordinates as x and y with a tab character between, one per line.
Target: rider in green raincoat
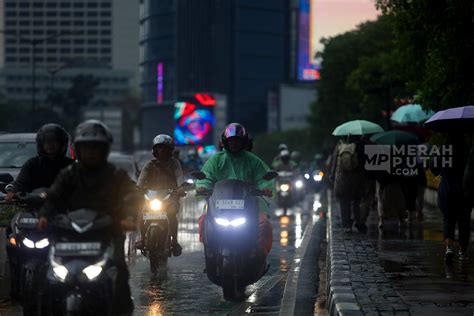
235	163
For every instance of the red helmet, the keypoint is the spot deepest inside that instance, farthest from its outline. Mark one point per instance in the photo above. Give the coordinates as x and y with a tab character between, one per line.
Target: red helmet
234	130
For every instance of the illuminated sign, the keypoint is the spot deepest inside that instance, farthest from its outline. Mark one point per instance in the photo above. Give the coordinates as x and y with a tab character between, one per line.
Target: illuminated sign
195	120
307	67
159	83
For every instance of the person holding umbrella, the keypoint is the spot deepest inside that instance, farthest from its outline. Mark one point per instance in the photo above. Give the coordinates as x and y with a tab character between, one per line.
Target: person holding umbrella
347	174
454	195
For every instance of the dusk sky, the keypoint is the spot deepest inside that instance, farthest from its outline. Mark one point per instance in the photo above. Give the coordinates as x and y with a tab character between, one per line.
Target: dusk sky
333	17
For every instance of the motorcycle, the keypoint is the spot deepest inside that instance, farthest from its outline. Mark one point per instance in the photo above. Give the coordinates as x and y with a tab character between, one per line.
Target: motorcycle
232	256
286	193
157	237
81	277
315	179
27	249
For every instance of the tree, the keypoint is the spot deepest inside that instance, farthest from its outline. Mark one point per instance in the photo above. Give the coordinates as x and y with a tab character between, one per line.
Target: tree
360	76
436	47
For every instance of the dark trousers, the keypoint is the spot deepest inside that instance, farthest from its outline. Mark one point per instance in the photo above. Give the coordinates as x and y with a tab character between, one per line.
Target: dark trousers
123	298
410	192
462	217
350	210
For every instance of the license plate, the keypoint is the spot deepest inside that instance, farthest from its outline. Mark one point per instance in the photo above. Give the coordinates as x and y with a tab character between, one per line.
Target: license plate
150	216
29	221
78	248
230	204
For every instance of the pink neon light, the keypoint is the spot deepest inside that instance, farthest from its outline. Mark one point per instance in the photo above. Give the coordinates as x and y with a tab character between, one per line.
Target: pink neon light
159	83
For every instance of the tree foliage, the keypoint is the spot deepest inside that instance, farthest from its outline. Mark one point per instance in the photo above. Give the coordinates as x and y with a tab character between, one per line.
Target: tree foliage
435	42
360	77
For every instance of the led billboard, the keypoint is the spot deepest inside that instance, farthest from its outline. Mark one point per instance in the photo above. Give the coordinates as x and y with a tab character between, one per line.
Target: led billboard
308	69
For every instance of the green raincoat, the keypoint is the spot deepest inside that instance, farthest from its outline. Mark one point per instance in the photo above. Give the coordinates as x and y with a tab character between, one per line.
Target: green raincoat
243	166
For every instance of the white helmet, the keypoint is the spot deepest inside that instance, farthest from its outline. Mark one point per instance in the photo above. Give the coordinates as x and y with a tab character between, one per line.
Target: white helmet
163	139
284	153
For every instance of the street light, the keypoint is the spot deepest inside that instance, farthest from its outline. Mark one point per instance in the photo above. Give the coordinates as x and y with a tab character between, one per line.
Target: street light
34	43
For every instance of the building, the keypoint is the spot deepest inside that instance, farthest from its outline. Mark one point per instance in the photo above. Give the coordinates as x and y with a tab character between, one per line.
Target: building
240	51
58	39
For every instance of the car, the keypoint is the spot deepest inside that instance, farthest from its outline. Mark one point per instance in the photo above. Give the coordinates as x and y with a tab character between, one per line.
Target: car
125	162
15	150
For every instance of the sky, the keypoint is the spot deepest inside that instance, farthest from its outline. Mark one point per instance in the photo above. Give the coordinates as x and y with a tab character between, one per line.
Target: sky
333	17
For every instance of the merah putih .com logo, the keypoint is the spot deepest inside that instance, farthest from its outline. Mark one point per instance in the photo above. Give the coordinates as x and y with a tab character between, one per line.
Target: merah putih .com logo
404	160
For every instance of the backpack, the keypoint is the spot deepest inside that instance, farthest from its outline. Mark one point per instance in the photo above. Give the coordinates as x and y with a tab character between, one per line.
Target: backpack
348	159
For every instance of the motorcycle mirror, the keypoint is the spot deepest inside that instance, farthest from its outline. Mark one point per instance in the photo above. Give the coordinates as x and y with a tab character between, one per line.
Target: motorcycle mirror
270	175
9	188
6	177
198	175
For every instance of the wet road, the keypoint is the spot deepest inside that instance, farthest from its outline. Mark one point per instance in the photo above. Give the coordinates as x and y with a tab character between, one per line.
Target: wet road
185	288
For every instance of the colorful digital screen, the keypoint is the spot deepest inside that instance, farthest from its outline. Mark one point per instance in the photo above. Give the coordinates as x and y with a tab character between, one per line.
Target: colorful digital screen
159	83
307	67
194	122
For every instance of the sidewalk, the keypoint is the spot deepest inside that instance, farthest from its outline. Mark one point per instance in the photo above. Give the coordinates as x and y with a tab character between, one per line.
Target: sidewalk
400	271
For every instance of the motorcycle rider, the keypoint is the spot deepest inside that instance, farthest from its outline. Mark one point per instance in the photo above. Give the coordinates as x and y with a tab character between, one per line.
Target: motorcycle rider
193	162
276	159
163	172
94	183
237	163
285	163
39	172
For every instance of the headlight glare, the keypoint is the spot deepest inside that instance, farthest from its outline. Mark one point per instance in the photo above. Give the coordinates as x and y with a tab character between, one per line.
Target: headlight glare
222	221
28	243
43	243
299	184
317	177
155	205
284	187
306	176
238	221
59	270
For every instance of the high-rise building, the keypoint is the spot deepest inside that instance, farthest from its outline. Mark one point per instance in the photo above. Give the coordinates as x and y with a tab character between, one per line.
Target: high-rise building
238	48
64	38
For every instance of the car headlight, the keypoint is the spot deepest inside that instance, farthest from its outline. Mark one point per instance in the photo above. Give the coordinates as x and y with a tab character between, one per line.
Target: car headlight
94	270
284	187
299	184
306	176
28	243
236	222
155	205
43	243
59	270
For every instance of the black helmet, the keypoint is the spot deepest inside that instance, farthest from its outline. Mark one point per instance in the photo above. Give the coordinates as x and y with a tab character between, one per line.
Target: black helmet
56	131
234	130
92	131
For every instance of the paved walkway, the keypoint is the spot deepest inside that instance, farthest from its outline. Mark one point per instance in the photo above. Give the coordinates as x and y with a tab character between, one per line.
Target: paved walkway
398	271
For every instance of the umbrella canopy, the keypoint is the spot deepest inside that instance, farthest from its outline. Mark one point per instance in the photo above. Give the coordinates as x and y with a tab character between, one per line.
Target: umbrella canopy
357	127
395	138
411	113
460	119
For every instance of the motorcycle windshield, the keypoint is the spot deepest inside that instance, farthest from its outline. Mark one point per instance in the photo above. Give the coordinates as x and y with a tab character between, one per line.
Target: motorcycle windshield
157	194
232	197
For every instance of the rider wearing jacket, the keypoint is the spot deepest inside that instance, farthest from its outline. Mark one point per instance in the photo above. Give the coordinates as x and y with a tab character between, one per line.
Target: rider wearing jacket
39	172
163	172
93	183
236	163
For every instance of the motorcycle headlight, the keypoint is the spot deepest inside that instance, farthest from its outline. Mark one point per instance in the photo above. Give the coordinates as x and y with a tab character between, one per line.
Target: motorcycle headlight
317	177
190	181
299	184
155	205
306	176
284	187
94	270
60	271
43	243
236	222
28	243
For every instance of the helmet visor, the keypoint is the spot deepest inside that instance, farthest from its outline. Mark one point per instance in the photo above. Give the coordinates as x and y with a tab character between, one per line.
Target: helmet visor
234	131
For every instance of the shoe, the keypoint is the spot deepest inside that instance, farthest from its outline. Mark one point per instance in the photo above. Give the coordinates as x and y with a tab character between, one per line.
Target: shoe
463	256
449	255
176	249
140	245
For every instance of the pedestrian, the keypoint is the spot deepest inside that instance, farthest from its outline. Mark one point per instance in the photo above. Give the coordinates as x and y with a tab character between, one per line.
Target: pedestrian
348	181
390	198
455	207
